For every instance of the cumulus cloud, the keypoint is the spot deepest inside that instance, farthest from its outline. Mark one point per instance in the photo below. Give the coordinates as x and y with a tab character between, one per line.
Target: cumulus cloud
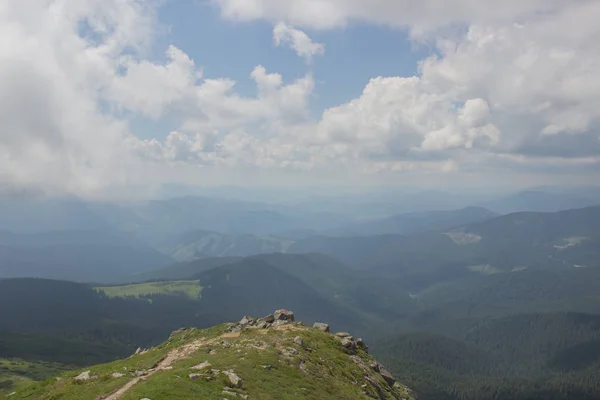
297	40
511	85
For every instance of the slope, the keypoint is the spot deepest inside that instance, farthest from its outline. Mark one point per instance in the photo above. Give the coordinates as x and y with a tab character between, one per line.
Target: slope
270	358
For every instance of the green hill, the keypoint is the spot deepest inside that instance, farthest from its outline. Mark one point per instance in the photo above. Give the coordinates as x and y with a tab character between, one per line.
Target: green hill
270	358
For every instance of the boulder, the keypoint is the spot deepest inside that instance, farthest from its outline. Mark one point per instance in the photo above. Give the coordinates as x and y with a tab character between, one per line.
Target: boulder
84	376
202	366
269	319
235	380
245	321
349	345
299	341
387	376
284	315
321	326
361	344
117	375
193	377
343	335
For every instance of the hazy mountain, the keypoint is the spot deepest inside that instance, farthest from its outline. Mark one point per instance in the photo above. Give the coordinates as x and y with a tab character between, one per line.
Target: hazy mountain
544	201
417	222
202	244
84	256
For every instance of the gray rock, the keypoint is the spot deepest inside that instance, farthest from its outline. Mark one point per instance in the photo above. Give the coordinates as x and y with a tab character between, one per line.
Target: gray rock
361	344
387	376
284	315
245	321
349	345
228	393
201	367
299	341
321	326
193	377
84	376
343	335
269	319
235	380
117	375
375	366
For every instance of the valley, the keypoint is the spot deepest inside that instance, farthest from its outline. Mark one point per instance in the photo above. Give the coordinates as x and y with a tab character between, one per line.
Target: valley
456	308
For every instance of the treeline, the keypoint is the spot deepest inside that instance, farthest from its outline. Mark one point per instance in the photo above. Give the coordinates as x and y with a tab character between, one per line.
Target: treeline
529	356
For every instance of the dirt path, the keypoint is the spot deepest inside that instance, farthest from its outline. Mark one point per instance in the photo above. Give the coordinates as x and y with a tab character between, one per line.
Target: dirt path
173	356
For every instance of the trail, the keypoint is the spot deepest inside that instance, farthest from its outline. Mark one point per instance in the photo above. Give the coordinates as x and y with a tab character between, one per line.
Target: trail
173	356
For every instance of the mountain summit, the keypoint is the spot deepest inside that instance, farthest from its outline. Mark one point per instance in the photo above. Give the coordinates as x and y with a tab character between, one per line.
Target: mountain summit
273	357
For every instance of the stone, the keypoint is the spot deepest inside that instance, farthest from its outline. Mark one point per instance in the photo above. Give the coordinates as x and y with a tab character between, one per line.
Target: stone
201	367
284	315
117	375
235	380
84	376
299	341
169	368
212	352
343	334
321	326
145	398
375	366
387	376
269	319
193	377
245	321
349	345
138	351
228	393
361	344
267	367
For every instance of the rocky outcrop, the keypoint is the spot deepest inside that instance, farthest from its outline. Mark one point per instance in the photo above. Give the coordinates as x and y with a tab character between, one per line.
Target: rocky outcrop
279	317
321	326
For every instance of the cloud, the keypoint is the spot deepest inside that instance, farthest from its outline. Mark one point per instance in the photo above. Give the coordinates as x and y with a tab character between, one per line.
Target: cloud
511	86
297	40
422	16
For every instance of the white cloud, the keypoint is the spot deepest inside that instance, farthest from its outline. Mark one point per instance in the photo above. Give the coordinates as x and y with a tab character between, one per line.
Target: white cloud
421	16
518	87
297	40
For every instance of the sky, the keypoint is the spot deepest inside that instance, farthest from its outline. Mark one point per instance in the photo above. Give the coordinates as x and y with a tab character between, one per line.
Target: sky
114	98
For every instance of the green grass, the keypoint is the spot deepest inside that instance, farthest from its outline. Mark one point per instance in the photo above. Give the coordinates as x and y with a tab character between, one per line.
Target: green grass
15	370
189	289
327	372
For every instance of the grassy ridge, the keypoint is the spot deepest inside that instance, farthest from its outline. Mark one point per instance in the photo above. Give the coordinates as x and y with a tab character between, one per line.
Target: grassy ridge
189	289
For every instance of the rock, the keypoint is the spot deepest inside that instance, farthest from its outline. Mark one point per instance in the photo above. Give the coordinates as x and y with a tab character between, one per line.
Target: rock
361	344
169	368
387	376
193	377
228	393
145	398
202	366
269	319
267	367
117	375
84	376
243	396
284	315
349	345
138	351
321	326
375	366
343	335
212	352
245	321
235	380
140	373
299	341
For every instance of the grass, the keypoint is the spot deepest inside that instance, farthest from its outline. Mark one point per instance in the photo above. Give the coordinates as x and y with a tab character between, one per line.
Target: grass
189	289
15	370
320	369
